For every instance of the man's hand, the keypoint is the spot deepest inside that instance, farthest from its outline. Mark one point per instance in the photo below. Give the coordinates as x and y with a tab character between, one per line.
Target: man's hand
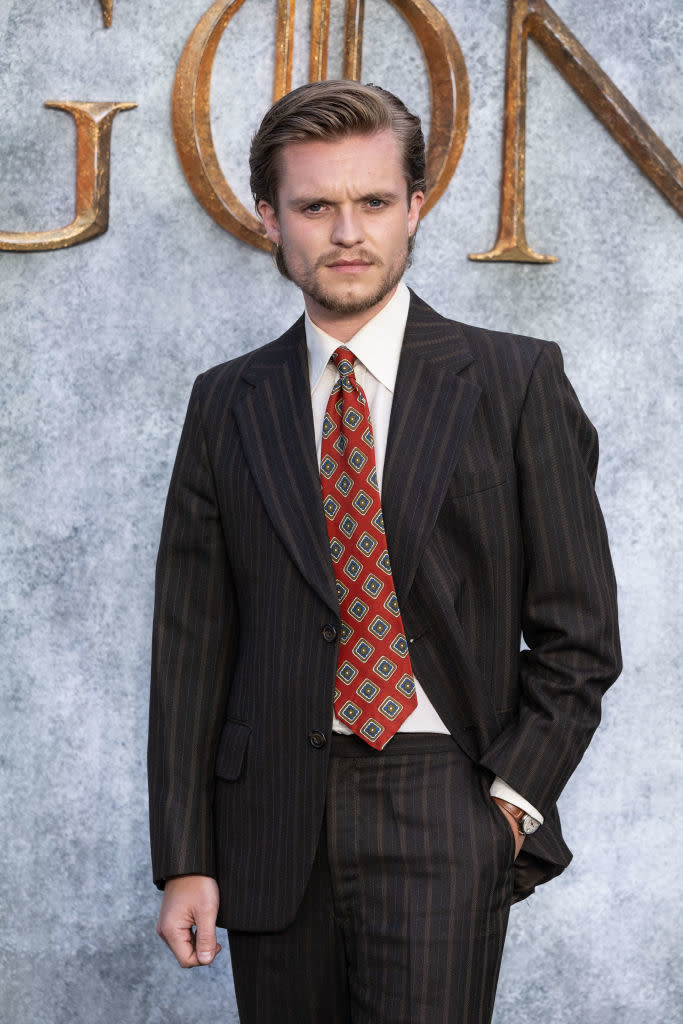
190	902
519	839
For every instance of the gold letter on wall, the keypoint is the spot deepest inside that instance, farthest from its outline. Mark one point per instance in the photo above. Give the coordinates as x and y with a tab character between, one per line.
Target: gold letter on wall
535	19
93	143
107	12
190	113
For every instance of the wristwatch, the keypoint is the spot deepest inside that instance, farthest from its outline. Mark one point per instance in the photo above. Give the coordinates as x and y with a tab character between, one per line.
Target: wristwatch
526	825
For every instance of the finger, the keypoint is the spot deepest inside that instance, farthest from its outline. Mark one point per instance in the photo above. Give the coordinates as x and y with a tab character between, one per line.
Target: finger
214	953
180	941
205	943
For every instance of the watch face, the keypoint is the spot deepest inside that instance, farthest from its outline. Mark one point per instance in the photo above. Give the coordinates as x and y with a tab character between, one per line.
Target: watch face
529	826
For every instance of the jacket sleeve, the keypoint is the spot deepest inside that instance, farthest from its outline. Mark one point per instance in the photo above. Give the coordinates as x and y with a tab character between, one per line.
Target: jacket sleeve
569	608
193	645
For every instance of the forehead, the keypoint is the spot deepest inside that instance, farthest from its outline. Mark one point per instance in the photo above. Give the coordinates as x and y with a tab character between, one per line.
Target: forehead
357	162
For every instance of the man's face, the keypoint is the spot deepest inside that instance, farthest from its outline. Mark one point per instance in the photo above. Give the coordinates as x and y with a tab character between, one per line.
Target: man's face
344	223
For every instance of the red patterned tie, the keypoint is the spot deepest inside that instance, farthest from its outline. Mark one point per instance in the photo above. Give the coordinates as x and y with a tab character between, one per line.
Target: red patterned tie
375	690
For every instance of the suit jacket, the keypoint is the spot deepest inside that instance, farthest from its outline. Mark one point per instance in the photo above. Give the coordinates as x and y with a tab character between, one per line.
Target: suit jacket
493	530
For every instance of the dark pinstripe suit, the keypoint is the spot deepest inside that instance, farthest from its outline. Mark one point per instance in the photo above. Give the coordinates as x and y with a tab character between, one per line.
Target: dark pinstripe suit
493	527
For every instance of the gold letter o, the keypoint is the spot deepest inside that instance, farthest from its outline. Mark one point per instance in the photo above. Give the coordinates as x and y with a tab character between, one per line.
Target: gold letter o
191	119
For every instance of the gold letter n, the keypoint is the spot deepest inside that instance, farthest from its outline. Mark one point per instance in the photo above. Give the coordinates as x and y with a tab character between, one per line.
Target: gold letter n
537	19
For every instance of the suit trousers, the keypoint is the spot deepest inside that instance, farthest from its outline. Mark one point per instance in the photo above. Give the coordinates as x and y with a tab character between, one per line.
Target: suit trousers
405	914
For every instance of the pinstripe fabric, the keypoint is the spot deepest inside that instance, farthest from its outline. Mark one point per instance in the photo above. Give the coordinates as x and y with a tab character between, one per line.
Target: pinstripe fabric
492	526
406	910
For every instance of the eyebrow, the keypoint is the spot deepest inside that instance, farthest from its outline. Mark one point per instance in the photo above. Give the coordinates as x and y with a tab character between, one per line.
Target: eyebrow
308	200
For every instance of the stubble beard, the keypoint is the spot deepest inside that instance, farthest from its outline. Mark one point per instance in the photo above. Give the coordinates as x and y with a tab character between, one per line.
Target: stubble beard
307	280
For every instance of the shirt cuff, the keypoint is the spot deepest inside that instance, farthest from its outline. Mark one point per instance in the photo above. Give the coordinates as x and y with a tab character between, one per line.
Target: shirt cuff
501	789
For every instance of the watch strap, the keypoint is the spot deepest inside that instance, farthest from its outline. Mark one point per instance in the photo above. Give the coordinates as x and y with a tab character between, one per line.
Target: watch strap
520	816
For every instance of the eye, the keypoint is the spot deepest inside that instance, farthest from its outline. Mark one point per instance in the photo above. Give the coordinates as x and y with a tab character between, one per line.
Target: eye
376	204
314	208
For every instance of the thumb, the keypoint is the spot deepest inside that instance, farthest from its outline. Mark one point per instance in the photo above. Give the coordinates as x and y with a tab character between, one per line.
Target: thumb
205	939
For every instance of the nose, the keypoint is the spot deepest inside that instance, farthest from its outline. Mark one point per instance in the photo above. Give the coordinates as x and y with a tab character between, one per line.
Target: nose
347	229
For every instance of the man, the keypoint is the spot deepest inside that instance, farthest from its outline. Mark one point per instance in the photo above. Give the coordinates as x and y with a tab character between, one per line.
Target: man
353	768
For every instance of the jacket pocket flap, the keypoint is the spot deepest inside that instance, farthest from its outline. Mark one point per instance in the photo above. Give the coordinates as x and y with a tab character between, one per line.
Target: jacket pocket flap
231	750
465	483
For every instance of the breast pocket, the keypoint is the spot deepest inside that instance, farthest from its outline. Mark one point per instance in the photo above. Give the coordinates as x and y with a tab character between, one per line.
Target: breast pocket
467	482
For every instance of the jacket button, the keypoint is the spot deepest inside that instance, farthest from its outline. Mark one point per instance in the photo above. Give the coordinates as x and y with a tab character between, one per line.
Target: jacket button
317	739
329	633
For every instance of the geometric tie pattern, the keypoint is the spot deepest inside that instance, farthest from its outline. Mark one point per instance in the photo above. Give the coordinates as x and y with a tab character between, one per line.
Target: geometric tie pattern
375	690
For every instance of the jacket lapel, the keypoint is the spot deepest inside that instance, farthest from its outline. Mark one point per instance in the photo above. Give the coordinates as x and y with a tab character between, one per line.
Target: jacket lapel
276	427
431	413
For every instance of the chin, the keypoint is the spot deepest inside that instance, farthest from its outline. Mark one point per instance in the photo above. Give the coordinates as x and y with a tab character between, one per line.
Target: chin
348	304
353	299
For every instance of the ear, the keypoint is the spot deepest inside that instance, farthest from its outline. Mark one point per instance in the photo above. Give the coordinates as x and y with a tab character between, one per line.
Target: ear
414	207
270	221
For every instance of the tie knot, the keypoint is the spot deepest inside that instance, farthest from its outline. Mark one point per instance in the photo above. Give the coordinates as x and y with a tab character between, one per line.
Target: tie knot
343	360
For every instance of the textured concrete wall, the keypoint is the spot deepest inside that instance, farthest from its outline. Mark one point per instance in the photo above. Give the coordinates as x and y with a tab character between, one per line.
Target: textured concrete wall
100	344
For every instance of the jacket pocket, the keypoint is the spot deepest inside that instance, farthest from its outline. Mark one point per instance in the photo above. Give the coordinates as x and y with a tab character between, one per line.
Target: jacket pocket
231	750
465	483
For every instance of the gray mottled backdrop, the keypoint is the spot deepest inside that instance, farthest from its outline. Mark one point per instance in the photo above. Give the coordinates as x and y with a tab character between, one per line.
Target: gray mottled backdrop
100	345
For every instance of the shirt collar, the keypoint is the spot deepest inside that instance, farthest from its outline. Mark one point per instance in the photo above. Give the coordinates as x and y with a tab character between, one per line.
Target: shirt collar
377	345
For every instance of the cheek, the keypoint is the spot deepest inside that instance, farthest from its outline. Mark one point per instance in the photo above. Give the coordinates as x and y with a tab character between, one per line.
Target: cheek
304	245
398	239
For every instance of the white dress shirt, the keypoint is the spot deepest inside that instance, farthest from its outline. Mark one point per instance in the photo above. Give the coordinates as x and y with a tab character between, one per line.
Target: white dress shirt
377	348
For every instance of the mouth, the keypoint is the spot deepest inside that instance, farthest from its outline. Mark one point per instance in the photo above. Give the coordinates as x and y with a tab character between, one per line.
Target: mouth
349	266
